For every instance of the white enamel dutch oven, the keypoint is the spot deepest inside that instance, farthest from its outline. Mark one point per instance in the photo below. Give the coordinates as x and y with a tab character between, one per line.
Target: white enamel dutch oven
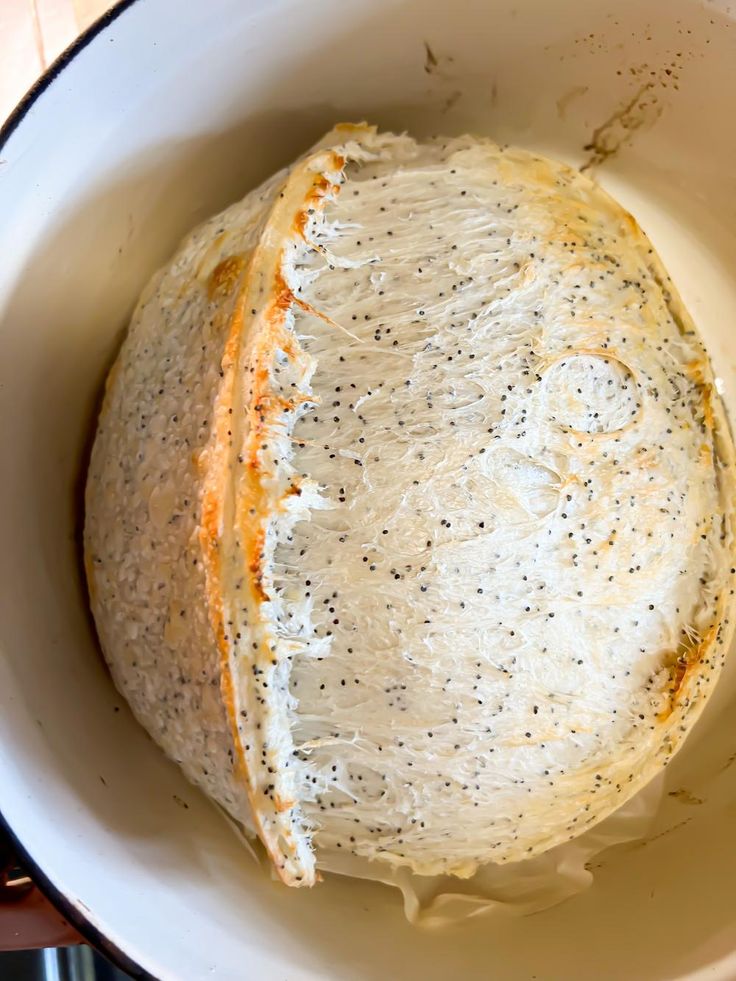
164	112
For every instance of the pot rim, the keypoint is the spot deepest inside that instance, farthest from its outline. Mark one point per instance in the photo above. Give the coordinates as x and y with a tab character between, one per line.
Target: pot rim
66	906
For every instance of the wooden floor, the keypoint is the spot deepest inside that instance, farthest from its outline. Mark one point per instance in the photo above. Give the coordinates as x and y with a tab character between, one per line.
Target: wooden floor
32	34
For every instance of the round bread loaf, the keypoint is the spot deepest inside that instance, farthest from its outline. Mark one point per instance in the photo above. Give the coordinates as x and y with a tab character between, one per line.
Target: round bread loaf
409	514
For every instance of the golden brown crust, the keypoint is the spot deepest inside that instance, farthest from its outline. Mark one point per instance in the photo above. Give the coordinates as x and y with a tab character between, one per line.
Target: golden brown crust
236	495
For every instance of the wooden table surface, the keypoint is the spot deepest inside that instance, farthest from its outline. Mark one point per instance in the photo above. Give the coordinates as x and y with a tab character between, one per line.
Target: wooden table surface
32	34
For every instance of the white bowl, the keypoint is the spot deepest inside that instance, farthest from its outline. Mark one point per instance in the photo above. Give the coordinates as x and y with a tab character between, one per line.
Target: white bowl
165	112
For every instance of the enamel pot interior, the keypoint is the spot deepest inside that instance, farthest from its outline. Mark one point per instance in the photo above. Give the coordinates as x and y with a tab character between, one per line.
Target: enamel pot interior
170	111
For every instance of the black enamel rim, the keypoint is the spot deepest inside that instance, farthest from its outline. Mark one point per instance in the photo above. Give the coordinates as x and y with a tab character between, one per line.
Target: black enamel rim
66	907
71	913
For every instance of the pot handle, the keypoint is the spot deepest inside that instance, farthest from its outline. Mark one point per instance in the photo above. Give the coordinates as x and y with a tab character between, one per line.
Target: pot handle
27	918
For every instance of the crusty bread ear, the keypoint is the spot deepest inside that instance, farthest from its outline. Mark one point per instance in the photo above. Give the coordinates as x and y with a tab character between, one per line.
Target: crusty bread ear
375	464
177	505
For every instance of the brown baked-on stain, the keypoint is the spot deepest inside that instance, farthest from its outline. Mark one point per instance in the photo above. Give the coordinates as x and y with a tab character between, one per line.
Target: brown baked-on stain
685	796
225	276
430	59
658	81
568	97
608	138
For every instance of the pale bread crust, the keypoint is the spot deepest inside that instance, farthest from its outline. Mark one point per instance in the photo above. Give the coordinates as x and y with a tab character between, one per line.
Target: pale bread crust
178	506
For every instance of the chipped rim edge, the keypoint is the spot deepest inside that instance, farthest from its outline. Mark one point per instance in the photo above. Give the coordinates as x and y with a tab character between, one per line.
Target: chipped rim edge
66	906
